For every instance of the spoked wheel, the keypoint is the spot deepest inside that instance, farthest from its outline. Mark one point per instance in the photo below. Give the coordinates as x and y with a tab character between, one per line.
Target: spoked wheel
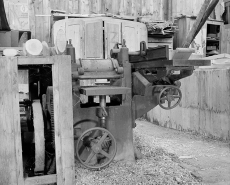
169	97
96	148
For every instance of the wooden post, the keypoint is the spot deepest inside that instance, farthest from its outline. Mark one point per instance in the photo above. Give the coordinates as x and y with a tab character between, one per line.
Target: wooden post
63	119
192	32
11	170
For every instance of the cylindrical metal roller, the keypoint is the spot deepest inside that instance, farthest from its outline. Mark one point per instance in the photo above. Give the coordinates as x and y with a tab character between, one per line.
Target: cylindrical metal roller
93	65
120	70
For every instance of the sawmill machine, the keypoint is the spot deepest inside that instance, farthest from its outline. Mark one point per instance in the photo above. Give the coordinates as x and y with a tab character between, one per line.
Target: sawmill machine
111	92
126	86
121	89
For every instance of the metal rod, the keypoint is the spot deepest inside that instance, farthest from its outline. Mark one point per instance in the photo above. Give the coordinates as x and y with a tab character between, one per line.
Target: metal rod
102	101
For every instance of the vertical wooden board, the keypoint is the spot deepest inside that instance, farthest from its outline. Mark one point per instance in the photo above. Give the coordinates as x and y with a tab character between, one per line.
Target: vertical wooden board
74	31
32	22
166	10
38	7
127	7
74	6
93	38
138	4
95	6
46	22
174	8
131	35
223	39
16	120
116	7
84	7
11	171
112	35
63	119
133	9
6	152
108	7
143	7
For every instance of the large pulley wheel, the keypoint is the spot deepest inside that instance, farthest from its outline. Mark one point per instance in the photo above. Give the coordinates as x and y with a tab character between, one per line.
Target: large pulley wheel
96	148
169	97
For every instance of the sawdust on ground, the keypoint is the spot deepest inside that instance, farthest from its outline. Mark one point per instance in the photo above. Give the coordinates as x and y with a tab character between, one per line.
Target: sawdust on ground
158	166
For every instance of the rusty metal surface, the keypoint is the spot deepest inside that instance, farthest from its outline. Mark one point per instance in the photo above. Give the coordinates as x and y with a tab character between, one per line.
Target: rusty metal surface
104	90
156	53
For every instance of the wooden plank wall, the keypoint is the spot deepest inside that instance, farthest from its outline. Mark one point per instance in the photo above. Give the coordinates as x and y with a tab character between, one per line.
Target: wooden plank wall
159	9
40	26
193	8
204	107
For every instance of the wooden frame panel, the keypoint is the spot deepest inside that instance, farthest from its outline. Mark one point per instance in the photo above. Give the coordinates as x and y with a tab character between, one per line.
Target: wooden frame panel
112	35
11	166
93	43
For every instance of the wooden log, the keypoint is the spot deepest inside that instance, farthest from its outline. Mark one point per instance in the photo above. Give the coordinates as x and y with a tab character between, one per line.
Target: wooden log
191	34
206	15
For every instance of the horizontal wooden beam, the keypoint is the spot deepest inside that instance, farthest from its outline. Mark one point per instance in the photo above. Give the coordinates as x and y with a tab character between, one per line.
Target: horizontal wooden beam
38	180
35	60
182	62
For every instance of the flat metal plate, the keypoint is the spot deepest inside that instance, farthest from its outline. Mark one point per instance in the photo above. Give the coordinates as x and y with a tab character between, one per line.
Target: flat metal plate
175	63
104	90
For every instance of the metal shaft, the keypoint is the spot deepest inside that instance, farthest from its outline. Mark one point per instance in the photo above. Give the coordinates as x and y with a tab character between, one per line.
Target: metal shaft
102	100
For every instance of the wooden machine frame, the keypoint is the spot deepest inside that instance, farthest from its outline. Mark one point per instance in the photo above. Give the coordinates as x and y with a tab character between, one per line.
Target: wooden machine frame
11	170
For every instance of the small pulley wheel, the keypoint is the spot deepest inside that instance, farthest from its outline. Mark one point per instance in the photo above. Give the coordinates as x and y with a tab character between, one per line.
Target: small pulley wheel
96	148
169	97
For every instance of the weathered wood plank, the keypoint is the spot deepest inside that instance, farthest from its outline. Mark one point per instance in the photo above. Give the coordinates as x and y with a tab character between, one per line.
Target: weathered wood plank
112	35
38	9
38	180
93	38
11	170
46	22
31	18
34	60
63	113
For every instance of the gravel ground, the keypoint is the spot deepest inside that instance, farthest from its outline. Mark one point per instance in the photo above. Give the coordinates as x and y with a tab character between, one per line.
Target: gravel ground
156	167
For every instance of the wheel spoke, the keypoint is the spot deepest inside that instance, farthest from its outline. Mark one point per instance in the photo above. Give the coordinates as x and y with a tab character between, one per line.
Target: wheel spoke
105	154
169	103
176	96
91	155
102	139
164	98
